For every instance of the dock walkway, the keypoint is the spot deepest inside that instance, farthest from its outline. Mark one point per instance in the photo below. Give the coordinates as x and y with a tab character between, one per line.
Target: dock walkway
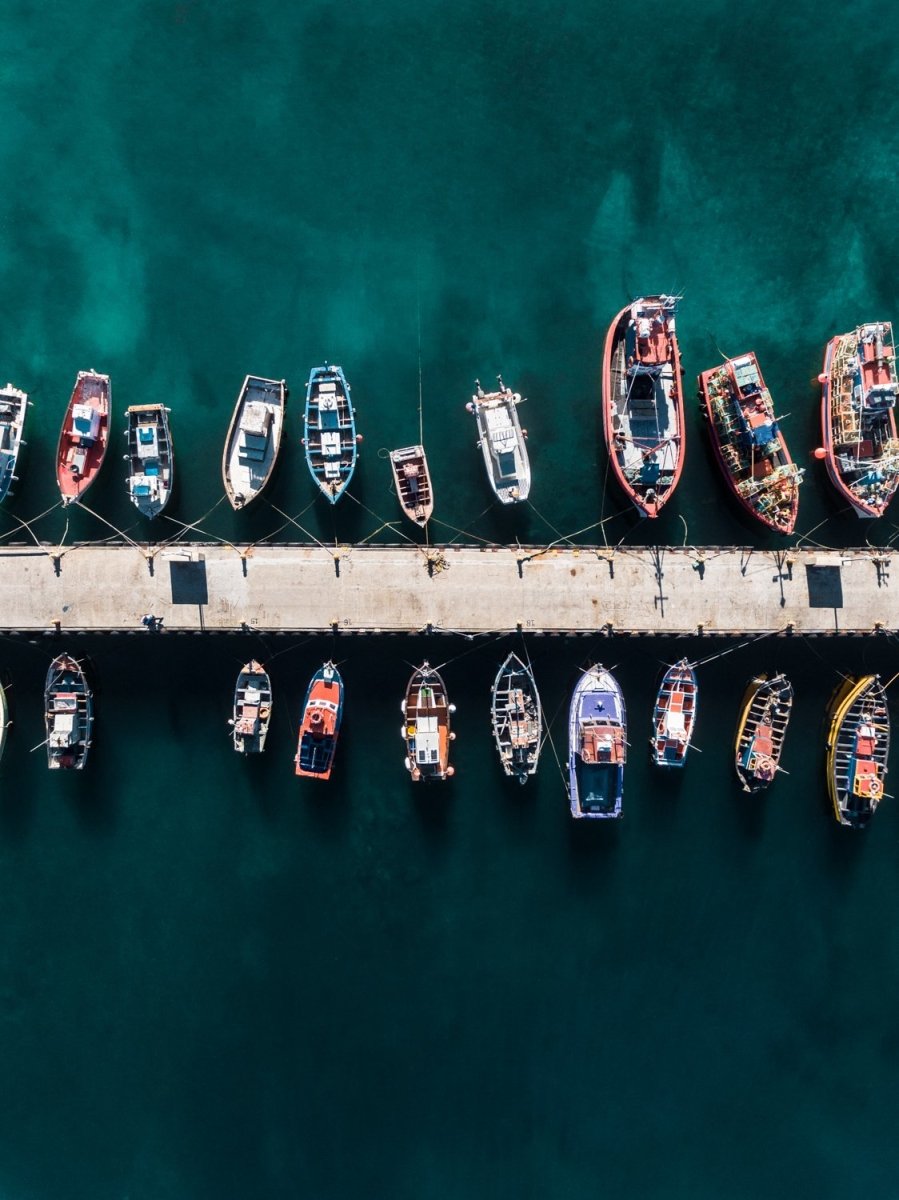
454	589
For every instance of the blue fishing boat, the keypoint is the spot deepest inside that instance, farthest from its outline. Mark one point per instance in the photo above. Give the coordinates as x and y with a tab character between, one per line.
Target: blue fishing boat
320	726
597	745
329	428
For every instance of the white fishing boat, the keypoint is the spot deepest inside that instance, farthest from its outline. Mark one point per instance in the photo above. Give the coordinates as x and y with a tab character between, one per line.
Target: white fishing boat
254	439
13	406
516	718
150	457
502	441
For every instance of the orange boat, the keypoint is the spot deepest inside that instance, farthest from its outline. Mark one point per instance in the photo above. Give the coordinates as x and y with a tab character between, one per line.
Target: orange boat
84	435
320	726
643	403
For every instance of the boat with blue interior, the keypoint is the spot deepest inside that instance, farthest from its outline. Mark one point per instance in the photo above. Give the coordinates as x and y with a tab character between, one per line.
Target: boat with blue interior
320	724
502	441
150	457
597	745
329	431
674	715
858	748
643	403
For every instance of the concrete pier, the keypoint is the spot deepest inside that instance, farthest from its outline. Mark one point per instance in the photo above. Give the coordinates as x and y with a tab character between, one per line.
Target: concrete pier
466	589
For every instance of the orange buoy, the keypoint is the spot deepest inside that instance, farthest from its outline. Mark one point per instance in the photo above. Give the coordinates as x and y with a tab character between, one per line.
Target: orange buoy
822	378
820	454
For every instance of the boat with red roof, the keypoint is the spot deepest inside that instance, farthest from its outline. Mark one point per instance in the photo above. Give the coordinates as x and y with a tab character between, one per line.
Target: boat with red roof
84	436
320	726
858	423
674	715
748	442
643	403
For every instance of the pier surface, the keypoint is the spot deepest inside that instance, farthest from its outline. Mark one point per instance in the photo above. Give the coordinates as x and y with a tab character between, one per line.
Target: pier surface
468	589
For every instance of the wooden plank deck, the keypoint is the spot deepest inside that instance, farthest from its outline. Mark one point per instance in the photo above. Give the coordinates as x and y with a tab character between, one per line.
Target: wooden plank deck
469	589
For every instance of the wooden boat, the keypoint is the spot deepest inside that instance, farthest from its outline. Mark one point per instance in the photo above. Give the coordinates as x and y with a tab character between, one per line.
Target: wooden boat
748	442
643	404
329	431
252	709
502	441
68	714
858	746
517	718
674	715
426	728
254	439
858	397
320	726
597	745
761	730
413	483
84	436
13	406
151	462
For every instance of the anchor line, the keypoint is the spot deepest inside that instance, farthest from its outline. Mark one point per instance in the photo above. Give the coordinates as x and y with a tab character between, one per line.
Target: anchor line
121	532
23	524
703	662
187	528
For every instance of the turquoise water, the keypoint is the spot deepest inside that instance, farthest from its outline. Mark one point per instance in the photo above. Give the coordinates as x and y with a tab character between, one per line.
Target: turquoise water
216	982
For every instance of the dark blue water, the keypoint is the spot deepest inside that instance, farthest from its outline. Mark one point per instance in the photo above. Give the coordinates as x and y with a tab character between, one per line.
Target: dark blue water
217	982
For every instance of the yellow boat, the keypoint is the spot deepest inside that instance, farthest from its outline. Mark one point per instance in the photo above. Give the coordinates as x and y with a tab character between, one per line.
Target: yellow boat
858	746
761	729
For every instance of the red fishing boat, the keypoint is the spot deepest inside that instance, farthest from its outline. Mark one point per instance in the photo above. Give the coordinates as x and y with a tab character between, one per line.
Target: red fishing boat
643	402
749	445
84	435
858	398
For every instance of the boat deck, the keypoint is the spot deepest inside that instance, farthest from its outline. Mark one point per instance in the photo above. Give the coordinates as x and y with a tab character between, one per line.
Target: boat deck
406	589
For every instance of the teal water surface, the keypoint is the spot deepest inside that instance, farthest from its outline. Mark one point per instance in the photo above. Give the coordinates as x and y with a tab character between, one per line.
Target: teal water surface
218	982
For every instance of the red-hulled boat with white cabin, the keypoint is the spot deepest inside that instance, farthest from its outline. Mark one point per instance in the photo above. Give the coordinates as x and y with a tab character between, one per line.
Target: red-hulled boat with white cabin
84	436
643	402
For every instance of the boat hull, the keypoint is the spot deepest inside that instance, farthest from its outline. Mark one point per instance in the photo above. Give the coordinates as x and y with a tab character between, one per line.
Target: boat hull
749	447
412	480
254	439
674	716
252	710
762	723
68	715
857	749
502	443
858	424
13	407
517	719
642	402
151	458
320	725
426	726
329	431
84	436
597	746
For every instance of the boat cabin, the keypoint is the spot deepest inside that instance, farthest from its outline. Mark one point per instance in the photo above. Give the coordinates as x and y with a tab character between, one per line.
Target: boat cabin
64	715
85	424
502	440
602	743
255	431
